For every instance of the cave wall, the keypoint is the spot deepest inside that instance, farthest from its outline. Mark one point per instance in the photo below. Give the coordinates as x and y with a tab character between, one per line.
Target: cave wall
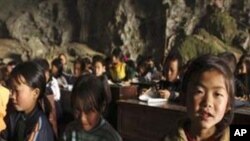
148	27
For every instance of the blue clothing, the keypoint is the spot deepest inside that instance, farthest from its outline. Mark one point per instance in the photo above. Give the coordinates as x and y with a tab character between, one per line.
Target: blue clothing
35	127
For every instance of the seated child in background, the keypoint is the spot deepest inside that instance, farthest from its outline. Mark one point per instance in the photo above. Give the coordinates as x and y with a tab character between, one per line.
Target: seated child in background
88	102
243	77
119	70
208	92
170	87
28	122
99	69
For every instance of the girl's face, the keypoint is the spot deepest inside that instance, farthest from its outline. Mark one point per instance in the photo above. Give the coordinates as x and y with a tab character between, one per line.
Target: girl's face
99	68
207	99
54	70
23	97
172	71
115	60
89	120
63	59
77	70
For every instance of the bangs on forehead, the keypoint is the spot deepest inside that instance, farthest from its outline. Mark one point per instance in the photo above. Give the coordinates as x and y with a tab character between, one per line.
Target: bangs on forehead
18	79
85	103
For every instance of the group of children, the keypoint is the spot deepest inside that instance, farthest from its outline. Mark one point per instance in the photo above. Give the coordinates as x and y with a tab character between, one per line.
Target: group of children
206	87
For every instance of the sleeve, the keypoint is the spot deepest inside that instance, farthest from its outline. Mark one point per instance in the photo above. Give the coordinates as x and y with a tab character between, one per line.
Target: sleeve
42	131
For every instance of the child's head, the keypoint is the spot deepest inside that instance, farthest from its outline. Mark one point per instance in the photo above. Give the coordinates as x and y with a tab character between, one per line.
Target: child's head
88	100
117	55
172	67
98	65
79	67
63	58
56	67
208	89
243	66
27	86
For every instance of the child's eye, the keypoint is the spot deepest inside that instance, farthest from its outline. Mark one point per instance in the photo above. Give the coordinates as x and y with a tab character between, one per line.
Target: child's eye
219	95
198	92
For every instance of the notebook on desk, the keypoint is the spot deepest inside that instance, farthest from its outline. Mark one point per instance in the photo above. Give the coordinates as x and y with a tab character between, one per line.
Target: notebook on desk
151	96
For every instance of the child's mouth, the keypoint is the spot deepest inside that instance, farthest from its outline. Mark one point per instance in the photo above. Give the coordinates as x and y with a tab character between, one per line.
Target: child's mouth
205	115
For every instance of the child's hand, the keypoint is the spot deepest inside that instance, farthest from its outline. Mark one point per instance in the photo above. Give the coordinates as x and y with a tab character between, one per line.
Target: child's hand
164	94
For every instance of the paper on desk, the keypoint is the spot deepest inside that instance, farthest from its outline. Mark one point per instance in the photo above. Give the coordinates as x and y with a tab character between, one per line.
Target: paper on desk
150	96
156	100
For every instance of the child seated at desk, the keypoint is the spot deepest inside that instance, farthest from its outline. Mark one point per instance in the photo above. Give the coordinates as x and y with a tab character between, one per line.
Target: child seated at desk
209	96
88	102
170	87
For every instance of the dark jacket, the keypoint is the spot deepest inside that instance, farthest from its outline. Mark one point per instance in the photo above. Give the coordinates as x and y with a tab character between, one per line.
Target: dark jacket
36	126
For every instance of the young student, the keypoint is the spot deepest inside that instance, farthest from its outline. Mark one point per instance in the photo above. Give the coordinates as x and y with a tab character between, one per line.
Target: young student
88	102
28	122
208	92
100	71
119	70
243	77
99	68
64	61
57	72
170	87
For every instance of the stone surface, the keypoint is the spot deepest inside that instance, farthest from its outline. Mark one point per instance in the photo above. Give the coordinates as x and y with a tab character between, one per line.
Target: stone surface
147	27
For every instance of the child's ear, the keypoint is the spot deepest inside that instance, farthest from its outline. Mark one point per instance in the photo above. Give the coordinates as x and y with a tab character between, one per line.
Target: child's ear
36	92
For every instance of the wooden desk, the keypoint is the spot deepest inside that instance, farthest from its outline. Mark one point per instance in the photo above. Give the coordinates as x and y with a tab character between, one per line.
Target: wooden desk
138	121
123	92
119	92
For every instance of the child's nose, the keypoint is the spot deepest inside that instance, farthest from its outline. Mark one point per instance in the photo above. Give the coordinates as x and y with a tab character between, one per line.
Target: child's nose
207	100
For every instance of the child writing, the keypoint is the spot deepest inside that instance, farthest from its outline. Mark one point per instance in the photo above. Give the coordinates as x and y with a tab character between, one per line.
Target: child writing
208	91
170	87
28	122
88	101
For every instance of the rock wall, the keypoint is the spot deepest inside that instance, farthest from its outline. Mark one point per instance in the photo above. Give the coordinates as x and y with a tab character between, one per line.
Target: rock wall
147	27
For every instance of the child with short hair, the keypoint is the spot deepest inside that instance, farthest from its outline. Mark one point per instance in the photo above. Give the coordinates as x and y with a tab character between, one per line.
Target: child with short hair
208	92
170	87
28	122
88	102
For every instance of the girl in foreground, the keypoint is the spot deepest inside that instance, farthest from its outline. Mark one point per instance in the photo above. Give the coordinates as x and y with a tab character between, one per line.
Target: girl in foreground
28	122
208	91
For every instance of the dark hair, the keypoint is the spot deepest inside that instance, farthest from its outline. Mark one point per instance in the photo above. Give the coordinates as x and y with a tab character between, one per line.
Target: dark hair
117	52
12	63
172	56
43	63
88	94
81	62
98	58
86	60
58	64
230	58
206	63
34	78
245	58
